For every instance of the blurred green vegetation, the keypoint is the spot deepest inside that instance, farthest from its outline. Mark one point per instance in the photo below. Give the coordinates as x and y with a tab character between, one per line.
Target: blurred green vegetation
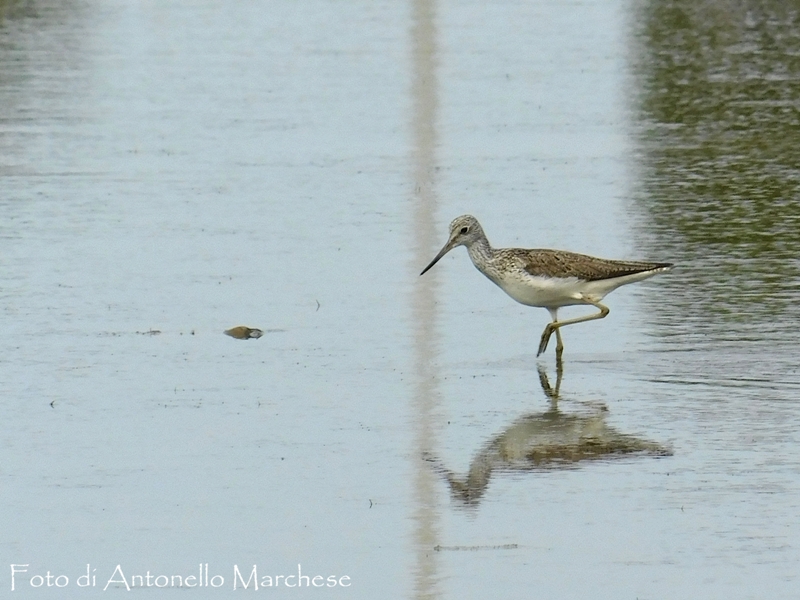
14	9
718	111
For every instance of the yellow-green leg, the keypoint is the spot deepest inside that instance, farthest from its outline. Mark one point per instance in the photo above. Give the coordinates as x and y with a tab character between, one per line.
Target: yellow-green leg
556	326
559	345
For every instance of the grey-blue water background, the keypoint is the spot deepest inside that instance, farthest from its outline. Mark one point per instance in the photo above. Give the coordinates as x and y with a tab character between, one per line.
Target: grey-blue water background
172	169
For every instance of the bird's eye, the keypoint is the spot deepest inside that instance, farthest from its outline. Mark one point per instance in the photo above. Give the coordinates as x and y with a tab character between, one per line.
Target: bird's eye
464	230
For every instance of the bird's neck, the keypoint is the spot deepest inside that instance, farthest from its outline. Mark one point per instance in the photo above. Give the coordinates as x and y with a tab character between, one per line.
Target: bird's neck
480	251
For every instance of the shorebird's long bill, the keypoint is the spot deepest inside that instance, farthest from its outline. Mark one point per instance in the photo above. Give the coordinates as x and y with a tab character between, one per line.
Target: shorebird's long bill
447	247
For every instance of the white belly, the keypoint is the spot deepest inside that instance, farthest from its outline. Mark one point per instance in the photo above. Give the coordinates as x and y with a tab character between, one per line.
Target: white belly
543	291
552	292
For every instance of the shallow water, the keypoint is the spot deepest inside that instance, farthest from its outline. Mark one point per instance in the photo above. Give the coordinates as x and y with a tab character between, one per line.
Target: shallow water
171	171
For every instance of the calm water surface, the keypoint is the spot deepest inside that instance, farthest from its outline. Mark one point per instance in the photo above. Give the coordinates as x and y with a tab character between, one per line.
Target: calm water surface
169	171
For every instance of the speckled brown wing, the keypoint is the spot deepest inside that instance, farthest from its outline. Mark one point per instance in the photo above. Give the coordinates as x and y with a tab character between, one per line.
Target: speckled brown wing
558	263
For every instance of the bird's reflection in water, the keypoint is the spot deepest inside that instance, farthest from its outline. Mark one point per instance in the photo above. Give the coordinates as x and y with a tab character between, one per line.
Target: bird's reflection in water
546	441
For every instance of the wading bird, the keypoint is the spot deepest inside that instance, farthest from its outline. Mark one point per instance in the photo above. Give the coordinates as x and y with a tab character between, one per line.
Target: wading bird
546	278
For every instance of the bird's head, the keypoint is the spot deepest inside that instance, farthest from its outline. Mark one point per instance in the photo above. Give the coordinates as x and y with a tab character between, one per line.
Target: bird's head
464	231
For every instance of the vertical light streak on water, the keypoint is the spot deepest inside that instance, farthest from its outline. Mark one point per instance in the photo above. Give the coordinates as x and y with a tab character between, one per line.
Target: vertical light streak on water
424	92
